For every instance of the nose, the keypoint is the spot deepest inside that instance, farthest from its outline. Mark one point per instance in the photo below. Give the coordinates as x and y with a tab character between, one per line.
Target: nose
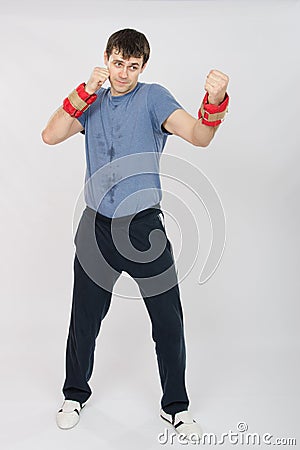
123	72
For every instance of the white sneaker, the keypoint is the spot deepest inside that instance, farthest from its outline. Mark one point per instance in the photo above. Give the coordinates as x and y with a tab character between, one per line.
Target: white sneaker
69	414
183	424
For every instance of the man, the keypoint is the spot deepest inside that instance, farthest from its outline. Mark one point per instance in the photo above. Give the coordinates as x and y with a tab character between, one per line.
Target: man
126	127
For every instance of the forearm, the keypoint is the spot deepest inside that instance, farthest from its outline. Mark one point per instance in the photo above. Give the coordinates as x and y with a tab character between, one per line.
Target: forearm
63	123
203	134
58	128
210	116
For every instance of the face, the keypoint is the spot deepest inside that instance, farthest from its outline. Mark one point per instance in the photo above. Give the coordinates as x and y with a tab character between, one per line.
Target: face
123	73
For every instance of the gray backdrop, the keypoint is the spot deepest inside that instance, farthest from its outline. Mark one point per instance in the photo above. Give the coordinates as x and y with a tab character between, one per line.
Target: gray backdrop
242	329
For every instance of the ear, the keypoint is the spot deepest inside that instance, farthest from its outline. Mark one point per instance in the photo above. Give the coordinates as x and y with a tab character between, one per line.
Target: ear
105	58
143	68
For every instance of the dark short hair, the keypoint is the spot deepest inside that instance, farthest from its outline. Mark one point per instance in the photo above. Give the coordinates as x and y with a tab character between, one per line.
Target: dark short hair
129	42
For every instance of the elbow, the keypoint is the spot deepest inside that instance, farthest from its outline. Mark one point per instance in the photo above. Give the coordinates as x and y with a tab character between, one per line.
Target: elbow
202	143
203	140
202	135
47	139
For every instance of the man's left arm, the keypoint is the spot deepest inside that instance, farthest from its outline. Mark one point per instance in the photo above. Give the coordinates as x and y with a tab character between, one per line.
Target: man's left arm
200	132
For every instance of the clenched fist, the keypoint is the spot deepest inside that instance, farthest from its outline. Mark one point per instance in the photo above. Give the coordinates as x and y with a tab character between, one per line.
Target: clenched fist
97	78
216	85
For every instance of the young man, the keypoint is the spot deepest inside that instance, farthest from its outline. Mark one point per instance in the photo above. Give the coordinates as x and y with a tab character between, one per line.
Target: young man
126	127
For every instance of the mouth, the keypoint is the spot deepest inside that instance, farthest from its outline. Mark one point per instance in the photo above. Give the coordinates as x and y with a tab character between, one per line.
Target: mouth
121	82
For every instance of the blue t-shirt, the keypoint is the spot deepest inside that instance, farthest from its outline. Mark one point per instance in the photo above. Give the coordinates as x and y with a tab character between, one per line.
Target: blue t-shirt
124	139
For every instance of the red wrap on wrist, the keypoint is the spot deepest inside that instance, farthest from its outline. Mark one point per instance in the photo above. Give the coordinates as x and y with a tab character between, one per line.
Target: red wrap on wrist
213	115
69	108
78	101
88	98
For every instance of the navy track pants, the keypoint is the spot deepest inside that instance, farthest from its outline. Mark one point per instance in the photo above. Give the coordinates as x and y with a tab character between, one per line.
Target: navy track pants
138	245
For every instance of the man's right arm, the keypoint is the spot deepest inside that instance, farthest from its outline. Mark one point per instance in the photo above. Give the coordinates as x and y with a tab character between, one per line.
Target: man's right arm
61	125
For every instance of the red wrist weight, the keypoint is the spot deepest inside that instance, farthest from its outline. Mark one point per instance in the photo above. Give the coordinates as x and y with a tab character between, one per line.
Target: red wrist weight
88	98
213	115
78	101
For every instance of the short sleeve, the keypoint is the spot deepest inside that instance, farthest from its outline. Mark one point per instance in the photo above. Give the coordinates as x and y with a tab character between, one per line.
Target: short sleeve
161	104
82	118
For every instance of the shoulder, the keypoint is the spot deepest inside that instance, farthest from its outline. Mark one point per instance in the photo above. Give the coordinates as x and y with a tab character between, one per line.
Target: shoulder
101	92
152	87
160	97
157	88
157	92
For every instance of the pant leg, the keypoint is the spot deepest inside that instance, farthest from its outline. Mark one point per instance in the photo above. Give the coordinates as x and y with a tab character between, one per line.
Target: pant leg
168	334
165	311
92	291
